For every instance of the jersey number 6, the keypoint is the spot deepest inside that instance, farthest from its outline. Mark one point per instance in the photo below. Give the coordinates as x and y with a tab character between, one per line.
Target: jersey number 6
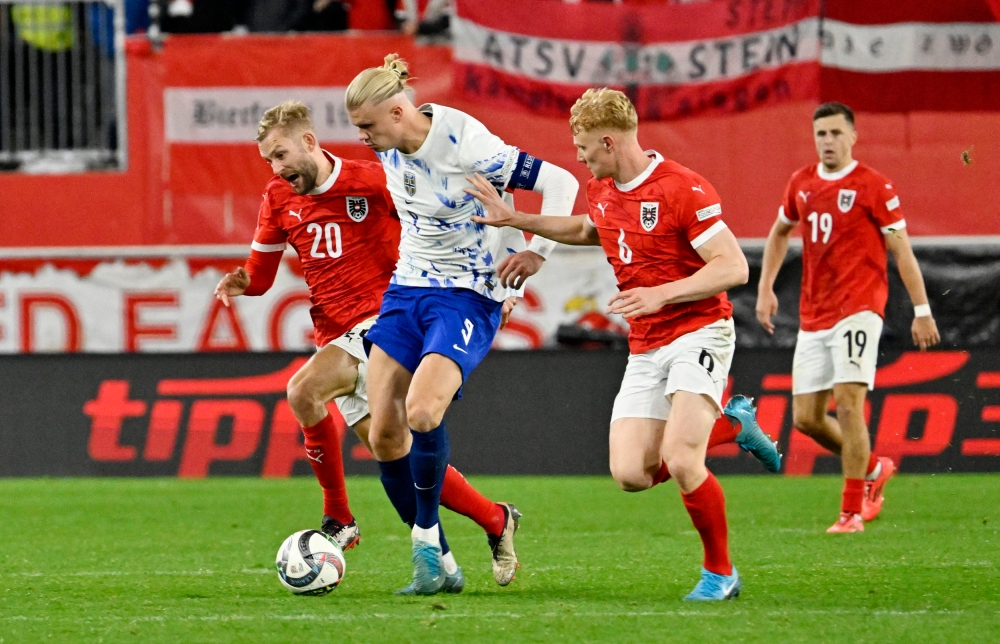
333	243
624	252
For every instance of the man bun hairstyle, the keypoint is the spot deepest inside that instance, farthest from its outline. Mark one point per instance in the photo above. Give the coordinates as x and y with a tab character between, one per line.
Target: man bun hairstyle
377	84
603	108
832	109
292	117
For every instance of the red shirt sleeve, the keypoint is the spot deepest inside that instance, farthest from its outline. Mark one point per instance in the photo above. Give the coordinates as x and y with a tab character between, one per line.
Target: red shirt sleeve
269	233
699	211
885	205
267	247
788	211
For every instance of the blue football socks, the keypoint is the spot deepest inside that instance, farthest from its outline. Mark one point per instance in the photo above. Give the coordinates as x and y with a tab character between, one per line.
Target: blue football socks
428	462
398	483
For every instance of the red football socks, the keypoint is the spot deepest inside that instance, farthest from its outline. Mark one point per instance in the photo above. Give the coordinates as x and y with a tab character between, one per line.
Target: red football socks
662	474
323	449
459	496
707	507
872	463
854	494
723	431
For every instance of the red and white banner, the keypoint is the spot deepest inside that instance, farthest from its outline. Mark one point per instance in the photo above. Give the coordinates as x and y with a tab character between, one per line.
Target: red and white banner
673	59
725	56
167	305
885	56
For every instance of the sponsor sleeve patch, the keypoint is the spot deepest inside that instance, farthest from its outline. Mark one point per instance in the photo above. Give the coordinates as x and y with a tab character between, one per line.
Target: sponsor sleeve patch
709	211
892	204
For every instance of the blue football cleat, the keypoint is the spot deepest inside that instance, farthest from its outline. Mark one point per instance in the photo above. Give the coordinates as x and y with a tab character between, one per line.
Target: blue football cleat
453	584
428	569
751	437
713	588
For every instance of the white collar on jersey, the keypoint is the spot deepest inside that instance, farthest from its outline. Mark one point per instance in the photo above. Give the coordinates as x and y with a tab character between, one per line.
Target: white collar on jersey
839	174
634	183
318	190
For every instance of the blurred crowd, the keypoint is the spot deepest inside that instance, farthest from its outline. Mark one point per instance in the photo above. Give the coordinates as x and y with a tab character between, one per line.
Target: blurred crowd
411	17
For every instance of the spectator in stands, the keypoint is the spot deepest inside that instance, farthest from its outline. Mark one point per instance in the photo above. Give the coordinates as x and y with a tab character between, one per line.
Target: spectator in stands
266	16
435	19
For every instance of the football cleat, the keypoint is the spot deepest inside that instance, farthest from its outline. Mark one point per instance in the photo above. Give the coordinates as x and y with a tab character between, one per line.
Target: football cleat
453	584
505	562
428	570
751	437
847	523
346	536
871	505
712	587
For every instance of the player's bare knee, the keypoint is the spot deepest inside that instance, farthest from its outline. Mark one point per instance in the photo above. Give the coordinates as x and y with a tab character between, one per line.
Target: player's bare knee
423	415
386	444
302	398
807	423
630	477
684	464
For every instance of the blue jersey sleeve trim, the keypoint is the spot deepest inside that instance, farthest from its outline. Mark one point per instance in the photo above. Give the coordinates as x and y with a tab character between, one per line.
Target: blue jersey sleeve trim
525	172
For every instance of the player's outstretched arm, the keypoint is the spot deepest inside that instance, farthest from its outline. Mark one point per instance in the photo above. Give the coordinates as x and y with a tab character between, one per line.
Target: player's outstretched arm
725	267
566	230
924	330
774	256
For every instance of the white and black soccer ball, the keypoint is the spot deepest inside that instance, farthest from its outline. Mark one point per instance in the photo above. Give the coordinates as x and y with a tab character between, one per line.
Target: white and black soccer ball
310	563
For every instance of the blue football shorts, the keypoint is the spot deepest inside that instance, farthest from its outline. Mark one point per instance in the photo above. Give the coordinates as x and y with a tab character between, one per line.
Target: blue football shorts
456	322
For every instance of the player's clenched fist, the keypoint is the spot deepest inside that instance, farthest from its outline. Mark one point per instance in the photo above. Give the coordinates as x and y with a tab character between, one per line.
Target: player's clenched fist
767	307
232	284
925	332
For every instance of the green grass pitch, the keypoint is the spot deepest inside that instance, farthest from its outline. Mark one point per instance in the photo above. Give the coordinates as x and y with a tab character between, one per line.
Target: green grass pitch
192	561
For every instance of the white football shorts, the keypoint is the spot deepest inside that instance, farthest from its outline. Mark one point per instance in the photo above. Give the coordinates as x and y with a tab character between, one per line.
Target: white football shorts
846	353
697	362
354	407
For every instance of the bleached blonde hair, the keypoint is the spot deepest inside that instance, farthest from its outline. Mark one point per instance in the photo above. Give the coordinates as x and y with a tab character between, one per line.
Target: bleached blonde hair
603	108
376	84
292	117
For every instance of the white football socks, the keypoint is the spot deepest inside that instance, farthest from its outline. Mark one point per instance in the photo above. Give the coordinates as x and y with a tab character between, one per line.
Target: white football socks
427	535
450	565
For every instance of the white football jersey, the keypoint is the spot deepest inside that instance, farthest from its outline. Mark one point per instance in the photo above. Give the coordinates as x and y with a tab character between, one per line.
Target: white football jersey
439	246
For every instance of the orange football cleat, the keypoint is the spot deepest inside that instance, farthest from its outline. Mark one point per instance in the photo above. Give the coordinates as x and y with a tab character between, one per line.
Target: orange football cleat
847	523
871	505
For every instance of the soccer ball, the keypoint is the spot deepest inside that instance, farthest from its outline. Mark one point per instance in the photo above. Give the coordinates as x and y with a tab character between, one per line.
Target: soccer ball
310	563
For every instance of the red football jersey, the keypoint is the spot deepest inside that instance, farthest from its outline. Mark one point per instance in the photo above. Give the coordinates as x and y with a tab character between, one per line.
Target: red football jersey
650	229
846	216
347	237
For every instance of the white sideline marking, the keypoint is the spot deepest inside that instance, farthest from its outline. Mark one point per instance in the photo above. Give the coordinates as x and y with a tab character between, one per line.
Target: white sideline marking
332	617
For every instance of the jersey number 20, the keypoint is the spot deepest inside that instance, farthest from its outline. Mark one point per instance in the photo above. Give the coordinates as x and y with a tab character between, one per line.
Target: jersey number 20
333	243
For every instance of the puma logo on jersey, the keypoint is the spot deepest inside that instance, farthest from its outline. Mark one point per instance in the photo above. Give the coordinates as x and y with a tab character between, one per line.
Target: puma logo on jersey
602	206
804	195
296	214
698	188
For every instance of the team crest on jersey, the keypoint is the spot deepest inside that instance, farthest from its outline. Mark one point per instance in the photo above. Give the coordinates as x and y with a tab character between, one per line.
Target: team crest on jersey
357	208
649	214
846	199
410	183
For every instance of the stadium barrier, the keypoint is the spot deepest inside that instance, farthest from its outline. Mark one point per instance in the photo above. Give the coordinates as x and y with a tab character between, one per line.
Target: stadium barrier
62	85
154	302
538	412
